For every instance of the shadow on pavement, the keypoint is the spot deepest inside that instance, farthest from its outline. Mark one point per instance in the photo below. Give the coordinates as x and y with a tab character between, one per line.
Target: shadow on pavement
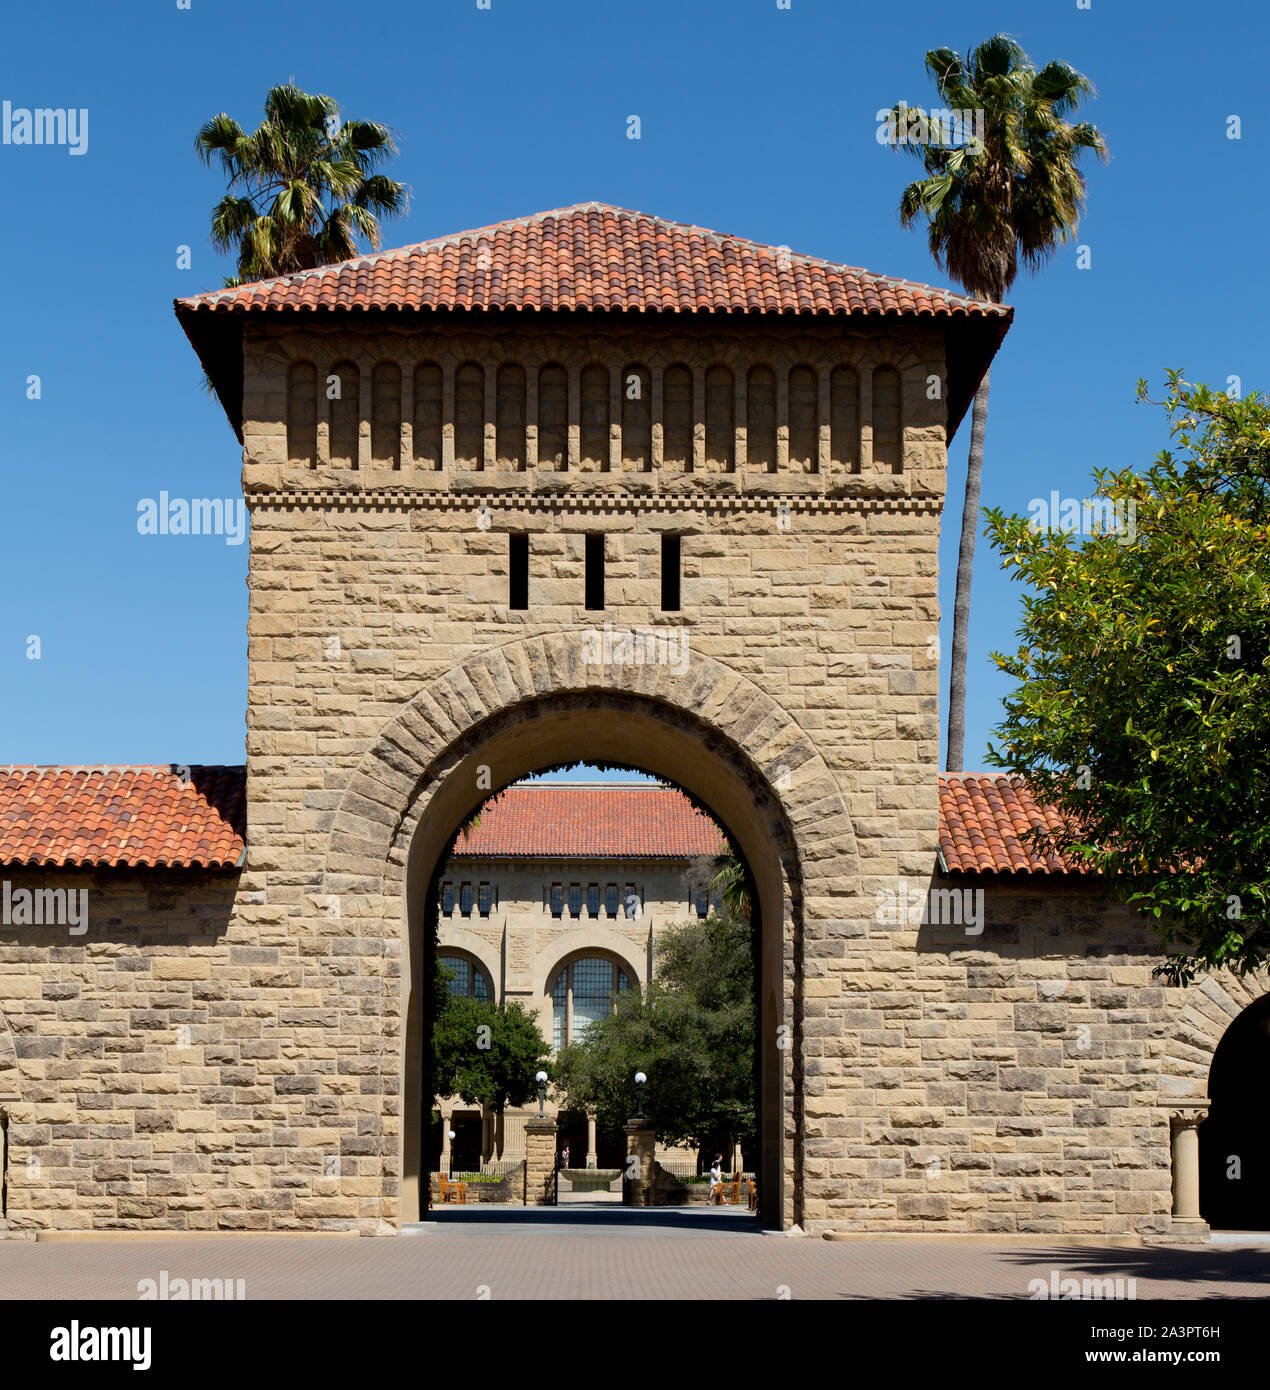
1220	1264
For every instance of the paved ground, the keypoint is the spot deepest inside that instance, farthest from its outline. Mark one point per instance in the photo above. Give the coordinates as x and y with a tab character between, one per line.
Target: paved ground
599	1251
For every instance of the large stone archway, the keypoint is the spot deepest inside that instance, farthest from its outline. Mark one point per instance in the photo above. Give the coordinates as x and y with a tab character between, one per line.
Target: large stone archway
534	703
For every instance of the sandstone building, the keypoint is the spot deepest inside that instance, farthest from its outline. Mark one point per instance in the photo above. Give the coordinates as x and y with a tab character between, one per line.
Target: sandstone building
555	901
589	486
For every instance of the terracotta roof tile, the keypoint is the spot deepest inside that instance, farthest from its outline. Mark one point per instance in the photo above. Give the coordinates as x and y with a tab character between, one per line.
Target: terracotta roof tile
594	256
983	819
148	816
594	821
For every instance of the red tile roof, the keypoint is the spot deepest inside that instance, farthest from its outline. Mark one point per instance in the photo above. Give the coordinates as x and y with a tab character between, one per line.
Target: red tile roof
983	818
594	256
592	821
149	816
140	817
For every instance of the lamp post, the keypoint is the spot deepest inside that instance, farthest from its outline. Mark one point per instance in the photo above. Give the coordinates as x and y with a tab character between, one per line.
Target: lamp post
449	1134
541	1079
640	1080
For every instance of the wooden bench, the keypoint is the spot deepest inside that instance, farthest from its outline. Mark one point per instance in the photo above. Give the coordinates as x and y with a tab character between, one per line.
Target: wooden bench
452	1191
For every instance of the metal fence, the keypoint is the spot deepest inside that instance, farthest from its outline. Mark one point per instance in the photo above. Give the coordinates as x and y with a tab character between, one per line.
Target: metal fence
689	1171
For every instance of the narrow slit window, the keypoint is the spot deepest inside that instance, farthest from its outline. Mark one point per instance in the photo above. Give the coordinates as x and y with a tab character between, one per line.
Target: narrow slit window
670	572
518	570
595	571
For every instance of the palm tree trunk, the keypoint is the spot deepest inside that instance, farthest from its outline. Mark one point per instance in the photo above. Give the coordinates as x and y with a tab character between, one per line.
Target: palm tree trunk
965	573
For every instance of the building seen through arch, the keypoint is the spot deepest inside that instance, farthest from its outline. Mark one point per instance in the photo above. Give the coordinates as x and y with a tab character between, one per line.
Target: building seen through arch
555	900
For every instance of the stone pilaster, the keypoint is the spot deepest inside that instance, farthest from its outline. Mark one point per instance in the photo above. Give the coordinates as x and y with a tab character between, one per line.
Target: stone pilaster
540	1161
640	1168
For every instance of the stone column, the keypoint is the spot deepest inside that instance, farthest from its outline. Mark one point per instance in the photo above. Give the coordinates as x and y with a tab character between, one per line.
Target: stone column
637	1179
445	1142
540	1161
1184	1122
590	1141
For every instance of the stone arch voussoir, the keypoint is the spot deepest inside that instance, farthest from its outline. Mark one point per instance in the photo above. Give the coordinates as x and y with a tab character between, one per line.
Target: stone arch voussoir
370	832
1205	1010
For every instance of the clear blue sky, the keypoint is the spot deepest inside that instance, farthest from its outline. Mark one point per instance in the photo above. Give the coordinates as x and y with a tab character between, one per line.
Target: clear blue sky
755	120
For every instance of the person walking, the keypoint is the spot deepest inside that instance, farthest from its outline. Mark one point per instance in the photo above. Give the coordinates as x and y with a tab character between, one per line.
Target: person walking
716	1180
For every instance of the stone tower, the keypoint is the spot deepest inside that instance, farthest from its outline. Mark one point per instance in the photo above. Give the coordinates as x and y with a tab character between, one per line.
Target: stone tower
587	485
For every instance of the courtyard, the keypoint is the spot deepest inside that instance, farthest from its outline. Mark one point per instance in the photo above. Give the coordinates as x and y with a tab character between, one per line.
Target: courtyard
606	1251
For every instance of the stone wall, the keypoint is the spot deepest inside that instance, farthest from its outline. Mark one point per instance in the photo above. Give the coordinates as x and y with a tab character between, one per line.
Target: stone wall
139	1044
179	1067
1011	1081
388	676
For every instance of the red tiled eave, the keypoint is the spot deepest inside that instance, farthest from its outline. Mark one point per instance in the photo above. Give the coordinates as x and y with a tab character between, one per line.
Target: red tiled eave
137	817
153	817
593	256
984	819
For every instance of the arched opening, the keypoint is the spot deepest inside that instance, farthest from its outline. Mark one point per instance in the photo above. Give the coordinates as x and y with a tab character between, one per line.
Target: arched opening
302	415
619	729
1234	1140
469	417
385	415
343	393
888	423
804	421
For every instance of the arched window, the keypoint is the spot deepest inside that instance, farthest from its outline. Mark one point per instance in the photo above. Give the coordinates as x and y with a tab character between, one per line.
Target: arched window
583	992
466	977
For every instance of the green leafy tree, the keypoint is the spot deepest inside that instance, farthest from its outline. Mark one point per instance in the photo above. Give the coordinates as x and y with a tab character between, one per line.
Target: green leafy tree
988	198
486	1054
1143	704
694	1035
305	187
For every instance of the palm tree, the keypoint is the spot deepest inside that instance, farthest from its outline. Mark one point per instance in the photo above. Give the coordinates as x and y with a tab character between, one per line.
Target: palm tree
303	187
731	883
1011	188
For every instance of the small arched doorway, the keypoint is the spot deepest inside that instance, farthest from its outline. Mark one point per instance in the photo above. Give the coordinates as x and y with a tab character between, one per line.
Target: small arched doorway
1234	1140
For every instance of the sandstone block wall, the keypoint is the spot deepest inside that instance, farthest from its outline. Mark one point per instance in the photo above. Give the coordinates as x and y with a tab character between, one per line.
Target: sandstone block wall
914	1080
183	1066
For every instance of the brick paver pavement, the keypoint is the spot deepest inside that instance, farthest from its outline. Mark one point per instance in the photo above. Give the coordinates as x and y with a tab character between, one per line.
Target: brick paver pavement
600	1252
